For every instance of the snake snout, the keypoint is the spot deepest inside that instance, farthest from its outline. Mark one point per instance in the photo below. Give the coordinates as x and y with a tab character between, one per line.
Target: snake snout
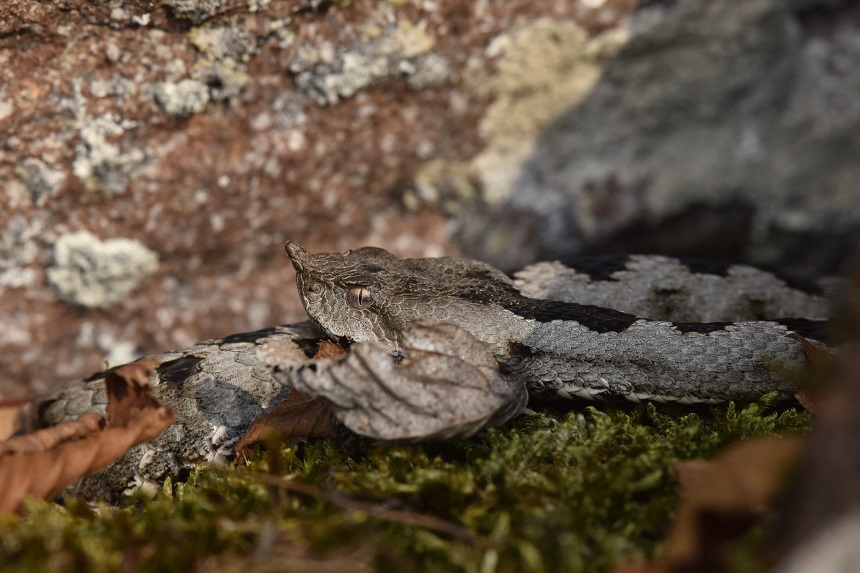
297	255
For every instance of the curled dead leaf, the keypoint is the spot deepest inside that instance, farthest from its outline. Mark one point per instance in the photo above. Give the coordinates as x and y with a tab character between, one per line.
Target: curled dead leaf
42	463
48	438
129	392
820	365
11	417
723	497
298	416
328	349
825	498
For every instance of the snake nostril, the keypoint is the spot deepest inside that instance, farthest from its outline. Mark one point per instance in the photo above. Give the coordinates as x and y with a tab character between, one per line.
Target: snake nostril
297	254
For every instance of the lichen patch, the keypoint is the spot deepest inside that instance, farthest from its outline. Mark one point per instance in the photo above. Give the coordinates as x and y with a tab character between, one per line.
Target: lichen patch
94	273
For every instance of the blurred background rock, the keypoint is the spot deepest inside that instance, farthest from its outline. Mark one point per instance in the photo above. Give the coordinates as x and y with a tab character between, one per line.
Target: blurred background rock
155	155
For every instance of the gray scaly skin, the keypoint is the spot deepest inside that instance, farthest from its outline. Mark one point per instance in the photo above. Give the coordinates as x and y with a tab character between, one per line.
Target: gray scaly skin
678	290
446	381
217	388
555	347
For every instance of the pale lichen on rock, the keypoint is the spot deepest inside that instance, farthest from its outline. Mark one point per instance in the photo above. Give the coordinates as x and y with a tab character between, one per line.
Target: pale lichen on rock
195	10
6	108
328	75
117	86
42	181
540	69
445	184
224	52
183	98
94	273
100	164
18	249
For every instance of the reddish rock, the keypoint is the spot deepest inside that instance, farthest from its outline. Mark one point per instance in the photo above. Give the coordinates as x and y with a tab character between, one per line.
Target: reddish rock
210	131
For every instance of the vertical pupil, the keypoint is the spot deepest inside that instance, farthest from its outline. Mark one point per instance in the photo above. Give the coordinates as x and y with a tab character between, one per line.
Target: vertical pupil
359	297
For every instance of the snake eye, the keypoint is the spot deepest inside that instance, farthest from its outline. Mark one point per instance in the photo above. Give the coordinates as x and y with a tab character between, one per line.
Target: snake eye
359	297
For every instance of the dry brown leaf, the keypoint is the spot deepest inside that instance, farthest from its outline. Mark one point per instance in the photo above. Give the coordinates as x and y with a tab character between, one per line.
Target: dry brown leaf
328	349
722	498
129	392
298	416
820	365
47	438
41	464
11	417
826	490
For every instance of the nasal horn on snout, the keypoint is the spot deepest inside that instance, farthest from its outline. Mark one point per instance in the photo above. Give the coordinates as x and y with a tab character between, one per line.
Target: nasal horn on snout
297	254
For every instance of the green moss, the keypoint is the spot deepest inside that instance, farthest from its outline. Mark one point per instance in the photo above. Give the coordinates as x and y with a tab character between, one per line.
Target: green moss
540	494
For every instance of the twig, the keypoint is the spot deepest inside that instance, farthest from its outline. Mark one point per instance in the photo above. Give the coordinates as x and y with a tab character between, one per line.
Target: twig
400	516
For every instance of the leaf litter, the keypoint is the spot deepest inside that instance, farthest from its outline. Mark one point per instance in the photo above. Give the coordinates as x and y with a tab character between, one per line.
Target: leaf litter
42	463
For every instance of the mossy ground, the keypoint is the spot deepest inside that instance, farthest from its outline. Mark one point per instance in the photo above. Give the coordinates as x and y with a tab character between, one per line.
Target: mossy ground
579	493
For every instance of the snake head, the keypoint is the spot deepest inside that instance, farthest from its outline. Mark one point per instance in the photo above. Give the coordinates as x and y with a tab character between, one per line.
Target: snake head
370	295
349	294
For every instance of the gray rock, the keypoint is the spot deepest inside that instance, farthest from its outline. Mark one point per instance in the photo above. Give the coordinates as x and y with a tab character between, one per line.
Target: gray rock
693	103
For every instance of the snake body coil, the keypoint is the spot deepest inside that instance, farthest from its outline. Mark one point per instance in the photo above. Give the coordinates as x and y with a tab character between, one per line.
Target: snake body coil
566	348
469	344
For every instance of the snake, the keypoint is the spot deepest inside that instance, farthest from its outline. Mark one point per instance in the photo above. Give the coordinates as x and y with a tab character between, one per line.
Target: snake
442	347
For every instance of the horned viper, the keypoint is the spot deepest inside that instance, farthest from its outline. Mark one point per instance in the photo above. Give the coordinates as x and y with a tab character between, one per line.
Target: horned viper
442	347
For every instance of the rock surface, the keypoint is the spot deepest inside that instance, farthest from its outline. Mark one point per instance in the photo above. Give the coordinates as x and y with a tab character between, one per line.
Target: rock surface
207	132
